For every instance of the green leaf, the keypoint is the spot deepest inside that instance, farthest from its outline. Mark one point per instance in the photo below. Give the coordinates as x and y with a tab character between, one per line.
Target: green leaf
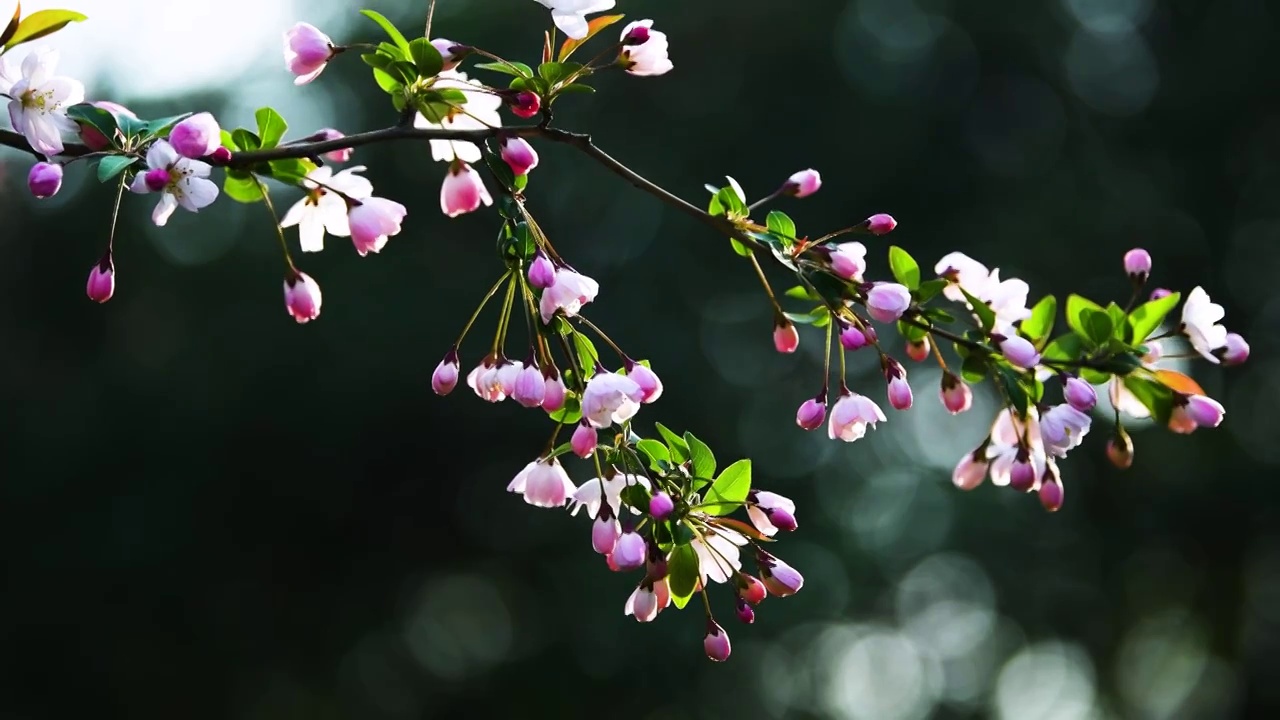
1064	347
242	187
1154	395
587	355
974	369
271	127
929	289
704	461
390	29
245	139
555	72
1147	317
1039	326
291	171
779	223
101	120
739	248
679	448
986	316
656	452
1075	313
1119	326
817	317
229	141
682	574
571	413
131	127
729	490
1011	380
575	88
938	315
426	58
800	292
905	269
162	125
1097	325
514	69
41	23
112	165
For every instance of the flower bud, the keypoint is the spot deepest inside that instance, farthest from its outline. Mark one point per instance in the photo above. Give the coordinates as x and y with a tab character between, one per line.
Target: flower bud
1137	263
102	280
45	179
852	338
661	506
1204	411
340	155
638	34
156	179
744	612
529	388
956	395
1080	394
584	440
518	154
785	336
750	588
542	274
650	384
1160	293
629	552
1237	350
445	378
803	183
1022	476
307	51
605	532
900	393
1120	449
301	296
1017	350
451	52
970	471
1051	494
647	601
812	413
918	350
462	191
91	136
716	642
196	137
881	223
553	397
887	301
221	156
525	104
780	579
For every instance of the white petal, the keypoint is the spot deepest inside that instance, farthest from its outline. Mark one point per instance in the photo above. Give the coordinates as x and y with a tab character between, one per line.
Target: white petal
311	233
164	209
64	90
161	155
295	214
571	24
333	214
198	192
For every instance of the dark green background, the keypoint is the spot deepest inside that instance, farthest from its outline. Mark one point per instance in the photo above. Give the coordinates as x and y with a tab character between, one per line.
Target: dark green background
208	511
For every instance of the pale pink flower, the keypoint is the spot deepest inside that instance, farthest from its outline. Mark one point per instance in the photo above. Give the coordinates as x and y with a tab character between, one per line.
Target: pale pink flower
661	506
785	337
610	398
771	512
851	415
881	223
301	297
568	294
462	191
340	155
1236	350
1016	443
1062	428
849	260
553	397
1193	411
594	492
183	182
605	532
1137	264
445	377
196	136
630	551
39	101
648	600
780	579
324	209
1201	323
803	183
1018	351
530	387
570	15
584	440
887	301
518	154
542	273
718	556
644	52
650	384
451	52
373	221
102	280
970	471
1079	394
482	113
543	484
853	338
812	413
716	642
956	395
306	52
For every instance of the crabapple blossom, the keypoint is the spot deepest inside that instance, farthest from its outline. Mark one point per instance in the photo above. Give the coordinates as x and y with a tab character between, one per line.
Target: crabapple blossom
102	280
1160	293
196	136
751	589
887	301
644	50
39	100
524	103
1015	447
852	338
771	512
718	554
518	154
340	155
529	388
91	136
451	52
584	440
462	191
324	209
661	506
918	350
629	551
307	52
1236	350
1079	394
593	492
1120	449
647	379
302	297
570	15
716	642
849	260
481	114
1062	428
743	611
803	184
1193	411
605	532
1137	263
1201	318
445	377
851	415
45	179
1051	494
779	578
785	336
554	395
881	224
956	395
543	483
183	182
812	412
1018	350
542	274
899	390
610	398
970	471
648	600
570	291
1007	299
373	221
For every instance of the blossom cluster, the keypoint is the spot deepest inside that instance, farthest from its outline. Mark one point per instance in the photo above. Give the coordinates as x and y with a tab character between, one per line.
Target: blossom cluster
657	504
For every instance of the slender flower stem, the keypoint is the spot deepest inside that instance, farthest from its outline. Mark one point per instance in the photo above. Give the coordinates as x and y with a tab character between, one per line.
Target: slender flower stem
603	336
767	198
500	336
826	360
768	290
431	12
115	215
487	297
275	220
933	344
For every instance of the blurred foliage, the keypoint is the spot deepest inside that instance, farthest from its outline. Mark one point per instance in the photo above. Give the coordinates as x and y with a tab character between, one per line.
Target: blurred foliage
211	512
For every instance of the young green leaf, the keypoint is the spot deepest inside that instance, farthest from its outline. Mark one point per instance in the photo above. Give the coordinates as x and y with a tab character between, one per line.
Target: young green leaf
1147	317
1097	325
101	120
242	187
655	451
800	292
514	69
271	127
679	448
1075	313
986	316
390	29
704	461
974	368
555	72
1039	326
929	289
779	223
41	23
426	59
587	355
1119	327
1011	381
1064	347
594	26
291	171
682	574
245	140
904	267
729	490
229	141
575	88
1155	396
160	126
112	165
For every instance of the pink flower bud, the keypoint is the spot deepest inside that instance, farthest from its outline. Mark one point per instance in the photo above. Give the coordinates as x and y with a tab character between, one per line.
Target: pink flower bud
102	280
1204	411
542	274
1080	394
900	393
1160	293
445	378
1022	476
751	589
1051	495
887	301
1018	350
451	52
373	221
803	183
852	338
956	395
661	506
156	179
1120	451
462	190
525	104
743	611
219	156
340	155
785	337
301	296
647	601
1137	263
1237	350
197	136
529	388
636	34
716	642
918	350
584	440
849	260
605	532
553	397
881	223
970	471
650	384
518	154
306	52
90	135
45	179
629	552
812	413
780	579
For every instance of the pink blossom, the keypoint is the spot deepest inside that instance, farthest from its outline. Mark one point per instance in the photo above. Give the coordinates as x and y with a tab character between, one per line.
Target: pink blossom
887	301
785	337
716	642
1137	263
647	379
605	531
584	440
969	471
849	260
542	274
900	393
610	398
630	551
568	294
301	297
518	154
956	395
881	223
661	506
919	349
648	600
373	221
751	589
852	338
1236	350
543	483
1079	394
1120	451
803	183
340	155
1051	494
102	280
780	579
851	415
1018	350
644	50
1193	411
529	388
196	136
524	103
451	52
812	413
45	179
463	190
553	396
306	51
445	377
771	512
